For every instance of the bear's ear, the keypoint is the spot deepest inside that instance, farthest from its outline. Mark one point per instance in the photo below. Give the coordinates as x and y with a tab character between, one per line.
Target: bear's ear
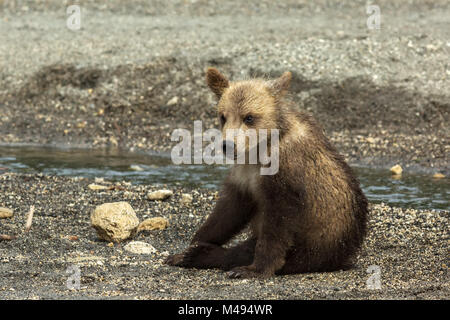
216	81
281	84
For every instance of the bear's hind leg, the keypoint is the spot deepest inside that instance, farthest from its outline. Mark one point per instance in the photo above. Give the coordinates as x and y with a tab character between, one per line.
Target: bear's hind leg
240	255
319	259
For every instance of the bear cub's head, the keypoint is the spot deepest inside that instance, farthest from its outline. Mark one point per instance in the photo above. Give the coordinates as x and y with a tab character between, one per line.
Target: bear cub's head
245	107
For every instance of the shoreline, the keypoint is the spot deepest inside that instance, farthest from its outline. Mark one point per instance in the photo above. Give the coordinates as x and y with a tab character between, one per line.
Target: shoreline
135	71
374	163
377	100
409	245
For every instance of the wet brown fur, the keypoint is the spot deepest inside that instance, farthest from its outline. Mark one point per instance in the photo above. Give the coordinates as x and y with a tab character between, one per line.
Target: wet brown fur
309	217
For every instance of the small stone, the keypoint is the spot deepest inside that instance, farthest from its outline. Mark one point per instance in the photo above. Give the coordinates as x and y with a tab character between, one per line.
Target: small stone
113	141
94	186
172	101
438	176
115	221
397	170
81	125
101	180
186	198
370	140
158	223
5	213
140	247
136	167
160	194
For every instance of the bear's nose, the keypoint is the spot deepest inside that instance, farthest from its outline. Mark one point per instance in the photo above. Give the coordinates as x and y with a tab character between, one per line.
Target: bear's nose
227	145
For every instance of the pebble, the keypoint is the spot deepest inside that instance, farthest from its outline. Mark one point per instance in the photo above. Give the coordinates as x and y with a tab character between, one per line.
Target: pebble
186	198
157	223
96	187
139	247
99	180
136	167
5	213
160	194
438	176
397	169
172	101
113	141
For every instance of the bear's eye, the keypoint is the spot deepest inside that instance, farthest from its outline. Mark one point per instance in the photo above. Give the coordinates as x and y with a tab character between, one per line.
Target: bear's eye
222	119
249	119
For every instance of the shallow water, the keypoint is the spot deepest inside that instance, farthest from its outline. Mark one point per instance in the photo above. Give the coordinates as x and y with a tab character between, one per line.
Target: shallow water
410	191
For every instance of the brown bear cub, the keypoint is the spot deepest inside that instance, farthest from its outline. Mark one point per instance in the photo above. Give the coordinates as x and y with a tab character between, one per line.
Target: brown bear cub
308	217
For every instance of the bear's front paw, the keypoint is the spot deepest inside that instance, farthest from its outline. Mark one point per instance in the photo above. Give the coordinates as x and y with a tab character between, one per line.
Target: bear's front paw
245	273
175	259
197	255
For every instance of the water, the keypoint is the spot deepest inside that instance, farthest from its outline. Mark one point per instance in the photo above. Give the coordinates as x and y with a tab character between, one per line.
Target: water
410	191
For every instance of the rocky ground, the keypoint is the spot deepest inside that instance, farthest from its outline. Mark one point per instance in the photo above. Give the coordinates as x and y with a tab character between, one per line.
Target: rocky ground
134	72
409	246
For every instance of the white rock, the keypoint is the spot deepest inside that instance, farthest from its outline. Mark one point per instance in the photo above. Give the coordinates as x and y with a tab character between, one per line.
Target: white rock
140	247
160	194
172	101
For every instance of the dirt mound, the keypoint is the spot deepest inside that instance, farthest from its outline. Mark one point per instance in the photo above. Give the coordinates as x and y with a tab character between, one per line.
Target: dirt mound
358	103
138	106
171	89
143	88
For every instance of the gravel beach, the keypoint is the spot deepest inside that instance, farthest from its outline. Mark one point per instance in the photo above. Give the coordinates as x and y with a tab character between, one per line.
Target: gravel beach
409	246
135	71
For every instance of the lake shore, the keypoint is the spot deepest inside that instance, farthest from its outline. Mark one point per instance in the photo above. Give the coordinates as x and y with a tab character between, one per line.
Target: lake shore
377	100
409	246
135	72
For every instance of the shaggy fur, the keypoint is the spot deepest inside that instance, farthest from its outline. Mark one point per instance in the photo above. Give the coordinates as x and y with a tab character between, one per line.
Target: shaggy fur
309	217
